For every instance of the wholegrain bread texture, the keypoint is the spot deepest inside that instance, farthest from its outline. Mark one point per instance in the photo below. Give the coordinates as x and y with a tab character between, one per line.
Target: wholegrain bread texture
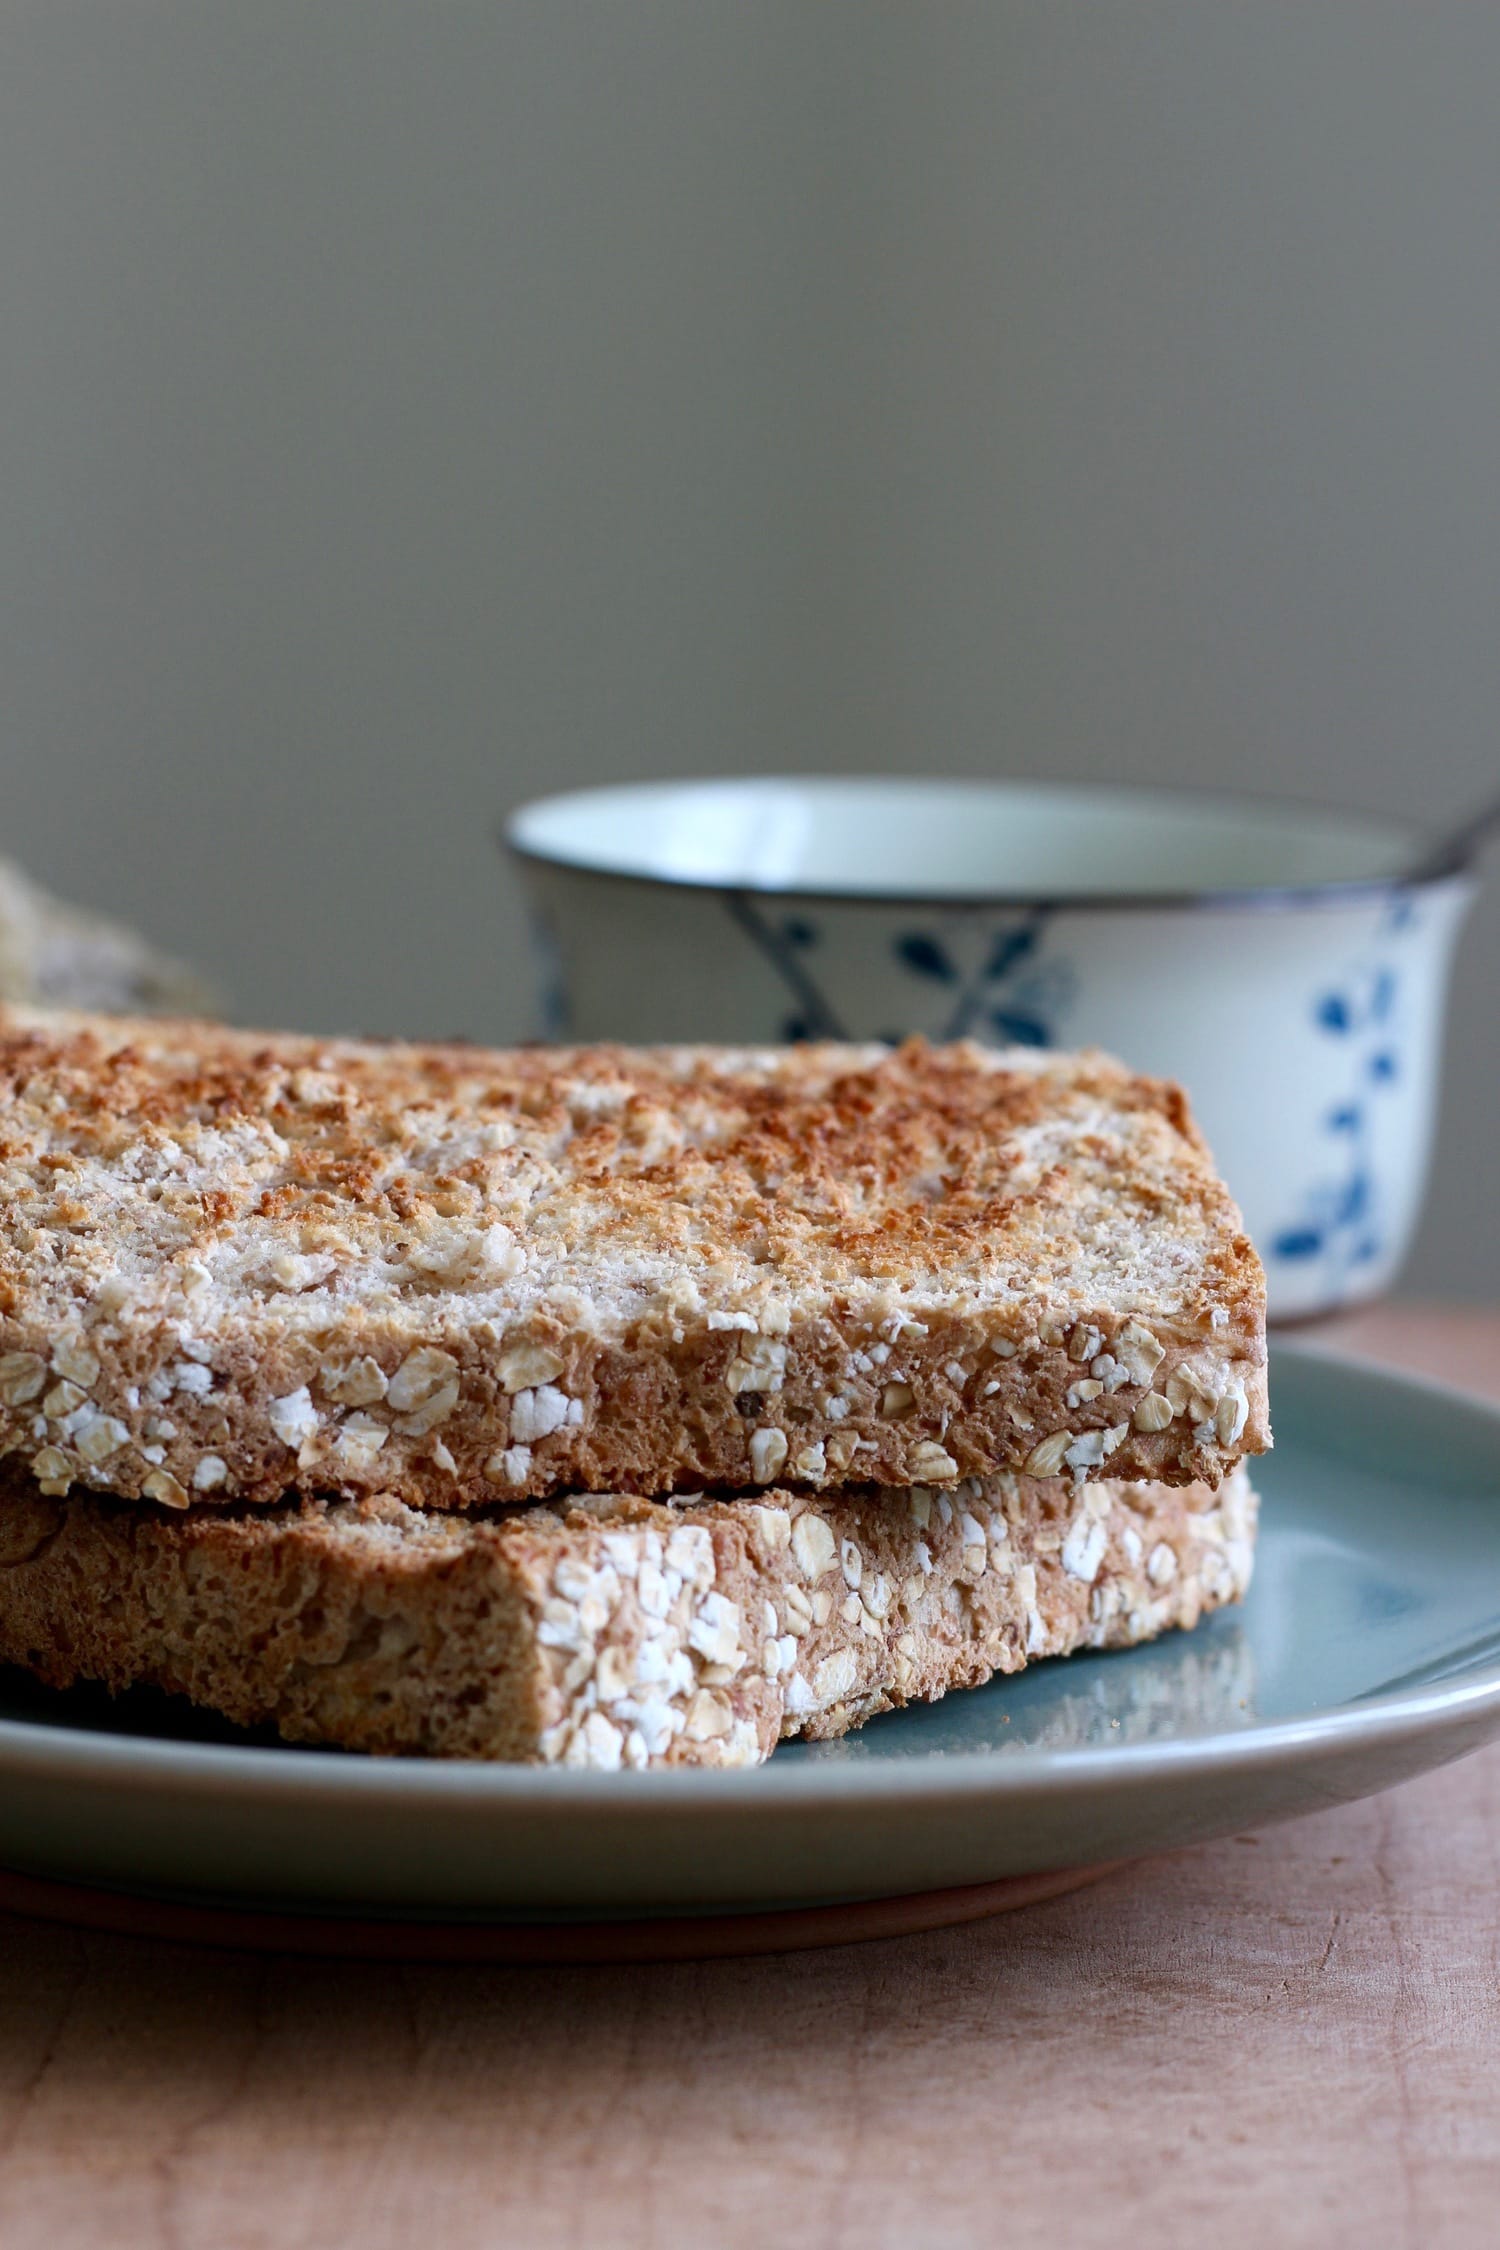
609	1632
231	1265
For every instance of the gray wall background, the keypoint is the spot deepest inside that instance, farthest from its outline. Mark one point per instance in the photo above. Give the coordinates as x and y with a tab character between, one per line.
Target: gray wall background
404	410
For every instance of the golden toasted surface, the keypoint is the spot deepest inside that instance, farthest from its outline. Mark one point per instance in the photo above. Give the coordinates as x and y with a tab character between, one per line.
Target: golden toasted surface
174	1196
293	1172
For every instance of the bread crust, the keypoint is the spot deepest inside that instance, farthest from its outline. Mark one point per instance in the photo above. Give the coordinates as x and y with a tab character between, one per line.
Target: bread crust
606	1632
234	1264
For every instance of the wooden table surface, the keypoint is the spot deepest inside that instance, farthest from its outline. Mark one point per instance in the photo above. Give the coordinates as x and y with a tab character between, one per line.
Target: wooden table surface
1290	2038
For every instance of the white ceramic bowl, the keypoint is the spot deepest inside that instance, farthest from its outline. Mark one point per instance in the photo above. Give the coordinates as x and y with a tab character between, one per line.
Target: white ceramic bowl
1262	953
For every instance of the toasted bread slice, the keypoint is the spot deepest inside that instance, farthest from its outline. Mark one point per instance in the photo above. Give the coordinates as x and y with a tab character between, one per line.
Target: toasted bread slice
233	1265
611	1631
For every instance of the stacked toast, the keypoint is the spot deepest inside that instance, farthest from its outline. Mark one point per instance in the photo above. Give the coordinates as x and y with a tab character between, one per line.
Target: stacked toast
604	1407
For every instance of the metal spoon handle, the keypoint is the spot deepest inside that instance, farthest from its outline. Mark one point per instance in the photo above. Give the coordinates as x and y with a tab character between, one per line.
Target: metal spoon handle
1455	850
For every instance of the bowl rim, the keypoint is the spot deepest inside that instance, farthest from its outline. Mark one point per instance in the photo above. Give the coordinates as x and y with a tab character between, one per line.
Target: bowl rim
1334	891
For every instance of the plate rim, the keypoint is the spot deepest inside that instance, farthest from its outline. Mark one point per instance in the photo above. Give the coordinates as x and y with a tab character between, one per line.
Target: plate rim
252	1773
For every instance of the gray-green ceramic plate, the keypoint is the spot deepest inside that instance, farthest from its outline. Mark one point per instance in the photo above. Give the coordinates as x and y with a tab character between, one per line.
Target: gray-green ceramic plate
1369	1650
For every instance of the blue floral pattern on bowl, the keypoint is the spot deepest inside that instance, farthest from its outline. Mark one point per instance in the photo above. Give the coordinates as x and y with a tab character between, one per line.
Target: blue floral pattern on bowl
552	983
785	940
1014	995
1341	1220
